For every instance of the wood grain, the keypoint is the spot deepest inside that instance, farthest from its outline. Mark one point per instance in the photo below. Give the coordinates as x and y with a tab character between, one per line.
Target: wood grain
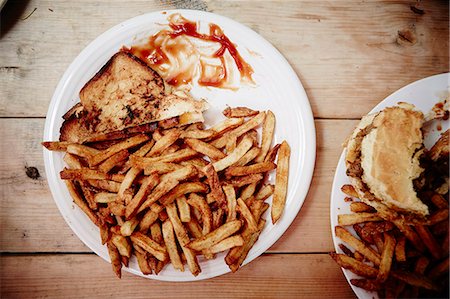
86	275
31	222
347	53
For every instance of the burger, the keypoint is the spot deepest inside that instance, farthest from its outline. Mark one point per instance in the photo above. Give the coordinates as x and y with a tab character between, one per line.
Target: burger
383	162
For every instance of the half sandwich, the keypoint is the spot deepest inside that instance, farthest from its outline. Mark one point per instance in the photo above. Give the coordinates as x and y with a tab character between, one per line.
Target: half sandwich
126	96
383	160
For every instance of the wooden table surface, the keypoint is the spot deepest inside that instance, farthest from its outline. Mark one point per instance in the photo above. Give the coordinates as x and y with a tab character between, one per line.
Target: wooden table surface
349	55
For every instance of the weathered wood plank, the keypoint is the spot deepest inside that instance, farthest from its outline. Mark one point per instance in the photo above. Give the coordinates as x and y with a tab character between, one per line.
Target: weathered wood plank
346	53
81	276
31	222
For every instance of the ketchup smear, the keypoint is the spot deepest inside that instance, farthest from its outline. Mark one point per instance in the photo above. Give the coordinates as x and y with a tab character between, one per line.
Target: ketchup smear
155	55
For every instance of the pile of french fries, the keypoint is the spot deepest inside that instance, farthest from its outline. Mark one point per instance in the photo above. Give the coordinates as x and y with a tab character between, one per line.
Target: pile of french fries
394	259
178	193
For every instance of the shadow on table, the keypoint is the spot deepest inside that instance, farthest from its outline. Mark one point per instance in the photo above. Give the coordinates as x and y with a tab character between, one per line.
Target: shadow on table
14	11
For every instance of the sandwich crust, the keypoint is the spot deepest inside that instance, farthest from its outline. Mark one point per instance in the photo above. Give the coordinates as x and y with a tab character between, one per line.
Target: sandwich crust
382	162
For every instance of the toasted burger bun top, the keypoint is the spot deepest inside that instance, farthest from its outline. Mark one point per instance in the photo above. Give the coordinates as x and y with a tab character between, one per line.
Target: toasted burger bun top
383	160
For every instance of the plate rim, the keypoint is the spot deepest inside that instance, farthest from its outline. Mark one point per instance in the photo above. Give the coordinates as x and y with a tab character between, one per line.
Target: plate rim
334	189
306	119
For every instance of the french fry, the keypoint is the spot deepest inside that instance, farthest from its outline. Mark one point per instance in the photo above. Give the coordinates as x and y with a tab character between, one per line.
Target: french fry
217	218
161	168
348	238
169	240
78	200
235	155
386	257
89	174
272	154
438	216
128	227
245	180
183	208
400	252
252	169
247	215
354	265
349	190
350	219
214	184
143	263
178	156
162	144
205	149
116	262
105	197
265	192
227	243
248	156
182	189
126	144
89	195
239	112
82	150
429	241
113	161
196	231
215	236
200	204
59	146
231	144
197	134
105	234
415	279
149	245
242	129
106	185
360	207
122	245
72	161
147	186
162	188
149	218
440	269
439	201
366	284
410	234
267	136
281	183
347	251
226	125
156	233
231	202
248	191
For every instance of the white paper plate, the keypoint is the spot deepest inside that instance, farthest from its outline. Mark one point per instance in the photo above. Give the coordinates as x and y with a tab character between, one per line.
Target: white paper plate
423	94
278	89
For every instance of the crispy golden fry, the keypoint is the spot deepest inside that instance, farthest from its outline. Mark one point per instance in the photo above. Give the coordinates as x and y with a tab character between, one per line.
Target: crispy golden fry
239	112
350	219
349	190
196	231
88	174
162	188
161	168
149	245
72	161
200	204
410	234
258	207
89	195
182	189
272	154
366	284
149	218
360	207
169	240
242	129
400	252
252	169
440	269
197	134
113	161
235	155
438	216
126	144
429	241
267	136
128	227
246	180
439	201
387	256
78	200
122	245
156	233
215	236
59	146
248	157
105	197
281	183
183	208
164	142
354	265
105	234
116	209
214	184
231	144
247	215
82	150
415	279
205	149
183	239
347	251
178	156
230	195
116	261
265	192
248	192
218	218
227	243
143	263
106	185
147	186
226	125
348	238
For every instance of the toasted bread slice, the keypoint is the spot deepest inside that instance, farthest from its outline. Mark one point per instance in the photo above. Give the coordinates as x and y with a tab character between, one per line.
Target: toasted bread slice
126	93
